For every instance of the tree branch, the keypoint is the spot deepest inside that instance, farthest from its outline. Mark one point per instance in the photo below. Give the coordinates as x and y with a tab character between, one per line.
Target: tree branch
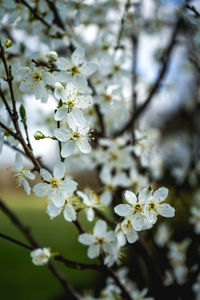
34	11
157	83
27	234
58	257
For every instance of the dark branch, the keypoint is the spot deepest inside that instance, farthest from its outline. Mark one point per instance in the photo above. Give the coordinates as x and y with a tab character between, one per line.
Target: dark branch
34	11
27	234
157	84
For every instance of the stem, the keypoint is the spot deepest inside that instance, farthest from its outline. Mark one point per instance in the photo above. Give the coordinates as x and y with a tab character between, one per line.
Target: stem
14	116
157	83
35	12
59	143
58	257
15	135
27	234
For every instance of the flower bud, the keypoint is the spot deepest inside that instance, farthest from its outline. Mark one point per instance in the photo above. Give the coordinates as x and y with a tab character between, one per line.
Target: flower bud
7	43
38	135
52	56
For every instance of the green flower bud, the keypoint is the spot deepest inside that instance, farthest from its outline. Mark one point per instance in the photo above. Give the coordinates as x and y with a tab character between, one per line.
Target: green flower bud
7	43
38	135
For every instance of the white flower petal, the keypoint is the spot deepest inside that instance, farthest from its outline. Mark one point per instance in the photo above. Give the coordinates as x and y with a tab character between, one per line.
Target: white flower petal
59	170
59	91
137	221
46	175
84	146
100	228
130	197
78	56
132	236
39	189
76	118
60	113
86	239
90	214
151	215
106	197
84	102
93	251
71	90
63	63
53	211
69	213
67	148
62	134
58	197
18	162
88	68
123	210
166	210
144	195
161	194
28	174
26	186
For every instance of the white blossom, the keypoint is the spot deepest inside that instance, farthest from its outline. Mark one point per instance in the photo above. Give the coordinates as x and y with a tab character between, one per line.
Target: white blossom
99	241
23	174
76	69
91	201
56	187
40	256
77	135
34	81
71	100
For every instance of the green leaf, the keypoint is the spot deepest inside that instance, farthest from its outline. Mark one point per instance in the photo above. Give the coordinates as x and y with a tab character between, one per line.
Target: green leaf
22	113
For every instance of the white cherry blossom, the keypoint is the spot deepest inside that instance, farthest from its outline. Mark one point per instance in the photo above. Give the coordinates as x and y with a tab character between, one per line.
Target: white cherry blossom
40	256
153	207
56	187
71	100
34	81
77	135
134	210
22	173
91	201
76	69
99	241
68	210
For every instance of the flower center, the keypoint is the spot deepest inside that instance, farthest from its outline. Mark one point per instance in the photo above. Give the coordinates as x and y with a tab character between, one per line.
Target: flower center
152	205
105	47
100	242
107	98
114	156
70	104
116	68
74	70
54	183
76	135
138	207
36	77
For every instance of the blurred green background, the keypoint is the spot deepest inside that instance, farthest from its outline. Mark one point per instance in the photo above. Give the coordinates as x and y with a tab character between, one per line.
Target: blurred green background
19	278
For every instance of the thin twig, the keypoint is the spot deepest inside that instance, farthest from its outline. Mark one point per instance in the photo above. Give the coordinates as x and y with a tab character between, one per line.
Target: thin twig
14	134
193	9
57	19
34	11
58	257
121	29
5	102
157	83
18	136
31	239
